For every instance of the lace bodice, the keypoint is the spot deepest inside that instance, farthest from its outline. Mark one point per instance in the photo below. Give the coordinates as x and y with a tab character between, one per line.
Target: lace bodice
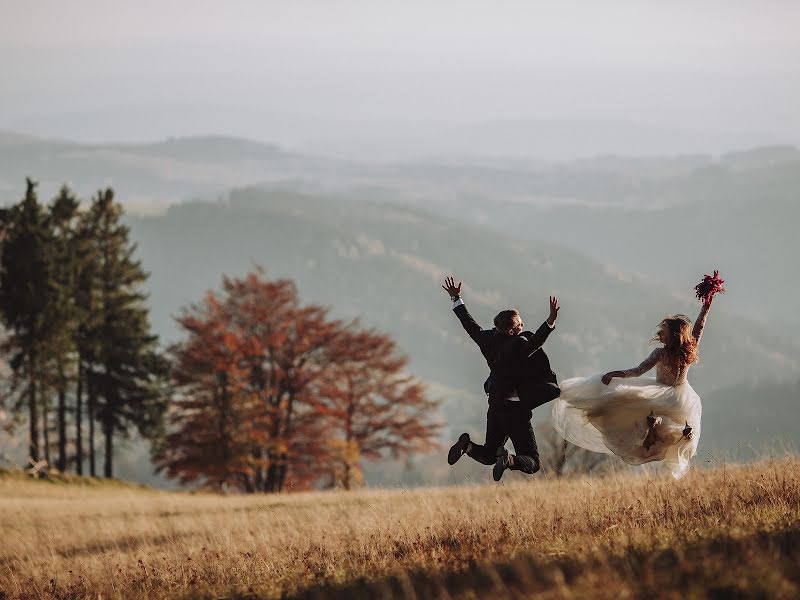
668	371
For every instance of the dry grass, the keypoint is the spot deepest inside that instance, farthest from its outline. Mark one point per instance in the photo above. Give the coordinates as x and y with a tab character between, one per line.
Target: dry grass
66	541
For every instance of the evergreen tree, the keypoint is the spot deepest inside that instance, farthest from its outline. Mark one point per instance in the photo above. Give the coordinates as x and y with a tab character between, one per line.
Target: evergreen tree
128	383
26	298
63	217
87	332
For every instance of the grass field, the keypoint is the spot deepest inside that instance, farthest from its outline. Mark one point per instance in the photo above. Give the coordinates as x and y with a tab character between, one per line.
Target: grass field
716	533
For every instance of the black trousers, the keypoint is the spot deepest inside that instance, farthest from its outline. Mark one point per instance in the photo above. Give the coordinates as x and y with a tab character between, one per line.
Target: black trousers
505	420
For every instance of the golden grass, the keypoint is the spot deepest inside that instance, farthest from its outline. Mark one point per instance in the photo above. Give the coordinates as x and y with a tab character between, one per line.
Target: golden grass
61	541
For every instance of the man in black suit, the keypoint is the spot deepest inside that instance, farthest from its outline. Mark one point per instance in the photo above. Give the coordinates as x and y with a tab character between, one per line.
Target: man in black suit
520	379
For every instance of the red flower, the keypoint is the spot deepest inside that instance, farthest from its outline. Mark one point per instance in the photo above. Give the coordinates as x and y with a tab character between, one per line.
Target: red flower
710	285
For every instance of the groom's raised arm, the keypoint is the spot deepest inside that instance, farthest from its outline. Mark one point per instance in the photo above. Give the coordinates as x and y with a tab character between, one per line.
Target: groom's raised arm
470	325
537	340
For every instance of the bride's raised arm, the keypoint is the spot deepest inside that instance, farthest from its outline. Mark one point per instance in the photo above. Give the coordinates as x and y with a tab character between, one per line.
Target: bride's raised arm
700	323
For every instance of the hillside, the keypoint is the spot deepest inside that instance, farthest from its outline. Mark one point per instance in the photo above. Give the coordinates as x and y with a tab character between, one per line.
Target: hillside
725	532
737	213
152	174
739	207
384	264
620	240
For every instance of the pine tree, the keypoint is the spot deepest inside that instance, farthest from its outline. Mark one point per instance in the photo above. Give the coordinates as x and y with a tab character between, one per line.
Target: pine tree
128	383
63	216
26	302
86	296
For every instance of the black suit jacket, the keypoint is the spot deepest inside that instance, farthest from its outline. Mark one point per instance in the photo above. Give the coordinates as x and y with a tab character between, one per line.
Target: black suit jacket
516	362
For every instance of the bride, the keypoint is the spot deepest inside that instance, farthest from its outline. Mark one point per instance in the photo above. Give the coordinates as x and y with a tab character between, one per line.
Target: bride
642	419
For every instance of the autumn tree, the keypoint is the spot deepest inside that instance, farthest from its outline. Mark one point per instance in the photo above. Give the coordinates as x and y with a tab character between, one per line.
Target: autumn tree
287	352
375	407
265	350
252	381
210	415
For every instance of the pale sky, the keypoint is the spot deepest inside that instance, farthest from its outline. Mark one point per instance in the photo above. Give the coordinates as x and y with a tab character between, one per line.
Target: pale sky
722	66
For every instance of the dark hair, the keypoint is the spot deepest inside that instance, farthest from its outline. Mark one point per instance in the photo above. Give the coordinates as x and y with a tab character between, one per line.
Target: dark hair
507	320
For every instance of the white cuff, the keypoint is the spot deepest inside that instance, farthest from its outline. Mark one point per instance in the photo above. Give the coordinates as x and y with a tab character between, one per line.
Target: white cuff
458	302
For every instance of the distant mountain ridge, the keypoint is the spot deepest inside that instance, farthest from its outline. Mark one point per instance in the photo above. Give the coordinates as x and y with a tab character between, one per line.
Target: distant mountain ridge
607	206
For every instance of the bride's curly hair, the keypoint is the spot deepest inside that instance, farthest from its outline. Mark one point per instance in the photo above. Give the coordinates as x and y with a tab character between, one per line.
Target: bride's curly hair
680	344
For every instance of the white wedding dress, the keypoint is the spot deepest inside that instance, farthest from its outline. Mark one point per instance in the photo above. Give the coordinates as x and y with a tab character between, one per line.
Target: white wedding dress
612	419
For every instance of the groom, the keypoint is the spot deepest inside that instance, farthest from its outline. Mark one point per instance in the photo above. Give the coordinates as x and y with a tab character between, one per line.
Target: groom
520	380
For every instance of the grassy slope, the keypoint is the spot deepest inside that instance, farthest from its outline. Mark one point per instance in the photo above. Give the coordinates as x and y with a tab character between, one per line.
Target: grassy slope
609	536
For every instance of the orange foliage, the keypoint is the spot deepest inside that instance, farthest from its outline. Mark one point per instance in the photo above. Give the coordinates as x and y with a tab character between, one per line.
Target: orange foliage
270	394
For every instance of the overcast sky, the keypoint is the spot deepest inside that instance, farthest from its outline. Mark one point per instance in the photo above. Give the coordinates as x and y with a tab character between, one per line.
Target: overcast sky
715	66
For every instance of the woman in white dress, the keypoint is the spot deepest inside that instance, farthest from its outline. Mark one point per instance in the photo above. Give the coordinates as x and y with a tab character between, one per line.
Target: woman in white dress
640	419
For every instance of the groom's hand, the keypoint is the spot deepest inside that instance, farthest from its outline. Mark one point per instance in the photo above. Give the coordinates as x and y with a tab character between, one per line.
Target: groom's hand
451	288
554	308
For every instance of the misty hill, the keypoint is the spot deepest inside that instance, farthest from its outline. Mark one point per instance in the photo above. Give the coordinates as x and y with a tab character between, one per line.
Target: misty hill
397	139
668	217
753	417
156	173
384	264
738	214
180	168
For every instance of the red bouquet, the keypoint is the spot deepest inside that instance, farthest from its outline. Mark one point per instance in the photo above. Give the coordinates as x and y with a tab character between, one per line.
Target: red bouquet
710	285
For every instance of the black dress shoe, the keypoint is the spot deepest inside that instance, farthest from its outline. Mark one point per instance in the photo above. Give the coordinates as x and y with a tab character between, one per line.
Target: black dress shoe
501	464
458	449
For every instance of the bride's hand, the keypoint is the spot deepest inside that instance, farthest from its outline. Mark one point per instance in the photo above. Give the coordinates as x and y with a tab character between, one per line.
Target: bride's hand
607	377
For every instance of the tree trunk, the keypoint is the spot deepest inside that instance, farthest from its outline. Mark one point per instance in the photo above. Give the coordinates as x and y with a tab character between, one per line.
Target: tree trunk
223	428
108	428
91	409
33	415
79	421
282	471
283	468
260	473
62	425
46	428
348	436
346	475
271	483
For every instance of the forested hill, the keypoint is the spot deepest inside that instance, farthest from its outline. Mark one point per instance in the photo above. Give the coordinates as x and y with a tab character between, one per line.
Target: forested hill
666	216
738	214
384	264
